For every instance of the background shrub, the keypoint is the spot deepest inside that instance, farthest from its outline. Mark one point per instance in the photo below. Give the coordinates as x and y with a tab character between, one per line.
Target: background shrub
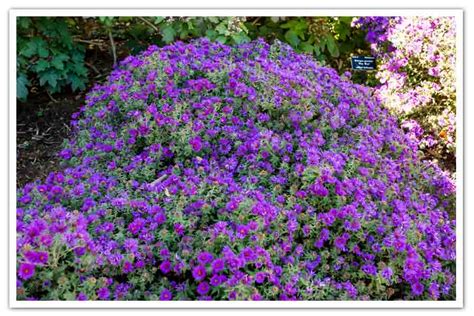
47	56
417	63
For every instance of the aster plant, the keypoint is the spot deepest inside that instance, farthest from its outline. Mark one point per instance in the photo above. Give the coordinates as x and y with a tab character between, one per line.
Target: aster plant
417	75
202	171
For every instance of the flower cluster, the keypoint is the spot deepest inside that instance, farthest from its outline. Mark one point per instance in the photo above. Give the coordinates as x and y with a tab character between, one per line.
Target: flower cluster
417	75
206	172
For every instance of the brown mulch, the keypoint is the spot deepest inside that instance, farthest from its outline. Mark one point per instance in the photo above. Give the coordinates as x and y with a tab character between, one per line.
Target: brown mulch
42	126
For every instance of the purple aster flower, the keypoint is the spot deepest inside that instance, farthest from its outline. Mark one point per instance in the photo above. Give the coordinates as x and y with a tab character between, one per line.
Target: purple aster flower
165	267
26	271
203	288
103	293
196	143
166	295
164	253
127	267
199	273
38	257
205	257
369	269
434	290
217	265
82	297
351	289
131	245
80	251
340	243
216	280
242	231
417	289
160	218
248	254
121	291
319	189
260	277
387	273
179	228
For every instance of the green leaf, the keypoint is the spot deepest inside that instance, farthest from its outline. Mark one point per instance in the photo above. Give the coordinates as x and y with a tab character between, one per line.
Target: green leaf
30	49
222	29
211	34
78	68
21	87
76	83
168	33
292	38
213	19
184	34
69	296
159	19
332	47
41	65
57	63
346	19
221	39
106	20
49	77
299	27
23	22
240	38
35	46
43	52
307	47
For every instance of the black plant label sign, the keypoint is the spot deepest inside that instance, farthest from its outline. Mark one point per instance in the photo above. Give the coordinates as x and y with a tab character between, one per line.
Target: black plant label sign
363	63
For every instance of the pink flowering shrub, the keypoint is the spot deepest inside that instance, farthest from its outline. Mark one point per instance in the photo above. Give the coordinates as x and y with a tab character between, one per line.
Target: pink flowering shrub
417	74
207	172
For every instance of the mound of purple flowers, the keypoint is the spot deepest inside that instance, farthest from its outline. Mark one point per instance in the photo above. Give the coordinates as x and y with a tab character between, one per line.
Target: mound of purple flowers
208	172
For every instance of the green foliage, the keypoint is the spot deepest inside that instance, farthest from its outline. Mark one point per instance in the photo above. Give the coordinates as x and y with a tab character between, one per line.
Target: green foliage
47	55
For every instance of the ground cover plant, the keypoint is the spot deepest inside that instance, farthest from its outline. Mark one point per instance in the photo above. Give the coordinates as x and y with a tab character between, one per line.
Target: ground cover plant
202	171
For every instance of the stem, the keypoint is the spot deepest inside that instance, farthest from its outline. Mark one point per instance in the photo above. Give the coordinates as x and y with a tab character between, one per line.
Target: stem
112	44
97	43
92	67
51	97
149	23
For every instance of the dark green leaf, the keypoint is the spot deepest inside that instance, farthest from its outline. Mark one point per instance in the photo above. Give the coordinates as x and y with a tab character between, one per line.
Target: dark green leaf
21	87
58	61
43	52
31	47
23	22
41	65
50	77
77	83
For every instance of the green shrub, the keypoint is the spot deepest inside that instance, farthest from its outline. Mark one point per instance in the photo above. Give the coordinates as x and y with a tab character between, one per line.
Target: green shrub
47	55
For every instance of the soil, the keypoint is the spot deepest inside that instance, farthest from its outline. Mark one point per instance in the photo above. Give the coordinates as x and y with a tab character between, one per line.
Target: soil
42	125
